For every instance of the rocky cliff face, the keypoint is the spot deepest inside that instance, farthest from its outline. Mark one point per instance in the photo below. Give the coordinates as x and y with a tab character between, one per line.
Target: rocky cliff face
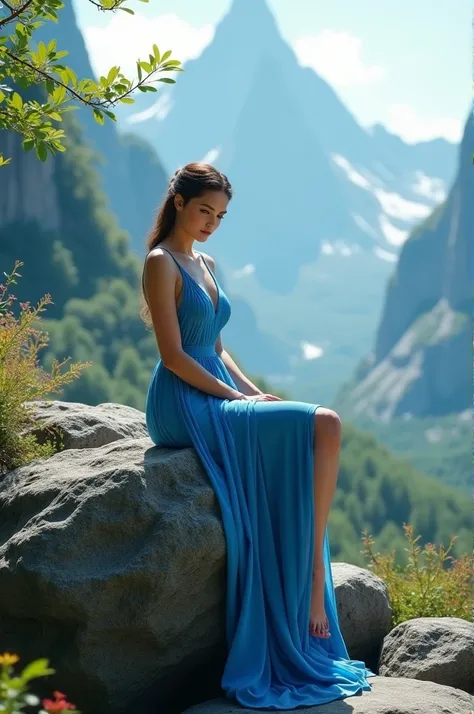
422	359
29	191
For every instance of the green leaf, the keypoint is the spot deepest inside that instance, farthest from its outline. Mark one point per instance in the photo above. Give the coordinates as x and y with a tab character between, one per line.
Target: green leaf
42	51
139	70
156	52
98	116
28	144
16	101
55	116
167	80
72	76
127	100
166	55
127	9
42	154
145	65
112	75
4	162
111	115
2	96
38	668
59	95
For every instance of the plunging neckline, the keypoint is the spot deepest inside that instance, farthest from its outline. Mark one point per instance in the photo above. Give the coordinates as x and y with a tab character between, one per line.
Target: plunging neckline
215	307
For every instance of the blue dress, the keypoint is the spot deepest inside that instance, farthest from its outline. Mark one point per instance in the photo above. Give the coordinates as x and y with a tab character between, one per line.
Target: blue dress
259	459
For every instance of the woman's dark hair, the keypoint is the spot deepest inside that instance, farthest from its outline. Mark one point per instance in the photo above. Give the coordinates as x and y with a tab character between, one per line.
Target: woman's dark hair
189	182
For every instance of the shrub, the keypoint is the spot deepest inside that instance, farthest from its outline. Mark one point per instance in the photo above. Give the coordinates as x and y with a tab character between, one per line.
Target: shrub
23	380
424	587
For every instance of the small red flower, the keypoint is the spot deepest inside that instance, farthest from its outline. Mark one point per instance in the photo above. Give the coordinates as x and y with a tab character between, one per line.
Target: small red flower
58	706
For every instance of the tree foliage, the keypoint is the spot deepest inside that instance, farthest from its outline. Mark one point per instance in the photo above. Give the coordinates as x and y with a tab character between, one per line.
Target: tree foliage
22	64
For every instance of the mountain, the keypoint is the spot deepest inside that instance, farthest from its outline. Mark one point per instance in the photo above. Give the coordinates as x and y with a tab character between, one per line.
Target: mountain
321	206
120	160
276	128
414	390
422	360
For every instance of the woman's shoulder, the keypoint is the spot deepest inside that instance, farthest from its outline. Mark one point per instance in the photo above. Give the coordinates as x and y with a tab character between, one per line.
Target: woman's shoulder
161	261
209	259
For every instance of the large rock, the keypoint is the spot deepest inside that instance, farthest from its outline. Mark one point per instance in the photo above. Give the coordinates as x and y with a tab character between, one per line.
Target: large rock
439	649
358	593
83	426
388	696
112	565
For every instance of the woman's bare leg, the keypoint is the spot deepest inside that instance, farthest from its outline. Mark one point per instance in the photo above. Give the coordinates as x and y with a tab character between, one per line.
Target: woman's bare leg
327	442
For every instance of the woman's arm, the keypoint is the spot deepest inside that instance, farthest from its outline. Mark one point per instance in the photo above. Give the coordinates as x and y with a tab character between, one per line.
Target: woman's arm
244	384
160	285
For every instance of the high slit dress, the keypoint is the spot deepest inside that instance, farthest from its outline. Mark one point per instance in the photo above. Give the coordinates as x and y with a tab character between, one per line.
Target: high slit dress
259	459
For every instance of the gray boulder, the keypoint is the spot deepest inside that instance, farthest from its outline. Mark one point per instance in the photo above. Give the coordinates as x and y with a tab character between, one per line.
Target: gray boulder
83	426
388	696
364	611
439	649
112	565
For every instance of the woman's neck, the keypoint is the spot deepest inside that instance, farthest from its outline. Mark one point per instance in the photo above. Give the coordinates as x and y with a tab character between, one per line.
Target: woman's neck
180	244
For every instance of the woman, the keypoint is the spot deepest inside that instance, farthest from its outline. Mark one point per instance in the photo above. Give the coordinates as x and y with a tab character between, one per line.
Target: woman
273	465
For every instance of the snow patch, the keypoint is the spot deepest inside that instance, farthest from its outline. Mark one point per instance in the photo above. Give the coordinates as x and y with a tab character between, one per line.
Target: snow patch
432	188
394	236
311	351
385	254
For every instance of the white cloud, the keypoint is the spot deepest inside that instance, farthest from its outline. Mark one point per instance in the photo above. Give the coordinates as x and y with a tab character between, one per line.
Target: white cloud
159	109
243	272
411	127
211	156
327	248
336	56
127	38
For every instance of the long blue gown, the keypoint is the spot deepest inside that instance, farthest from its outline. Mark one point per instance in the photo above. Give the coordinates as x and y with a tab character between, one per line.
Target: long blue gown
259	459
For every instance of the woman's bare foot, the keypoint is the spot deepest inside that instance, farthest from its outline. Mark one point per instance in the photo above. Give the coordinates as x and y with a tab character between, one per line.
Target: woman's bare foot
318	622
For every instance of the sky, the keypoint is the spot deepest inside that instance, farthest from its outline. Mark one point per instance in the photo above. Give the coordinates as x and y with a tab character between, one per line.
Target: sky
405	64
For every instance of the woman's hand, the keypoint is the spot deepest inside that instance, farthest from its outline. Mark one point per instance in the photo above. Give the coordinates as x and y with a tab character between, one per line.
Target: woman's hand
261	398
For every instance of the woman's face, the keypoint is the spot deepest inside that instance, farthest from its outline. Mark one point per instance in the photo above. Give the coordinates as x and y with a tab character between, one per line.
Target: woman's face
202	215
